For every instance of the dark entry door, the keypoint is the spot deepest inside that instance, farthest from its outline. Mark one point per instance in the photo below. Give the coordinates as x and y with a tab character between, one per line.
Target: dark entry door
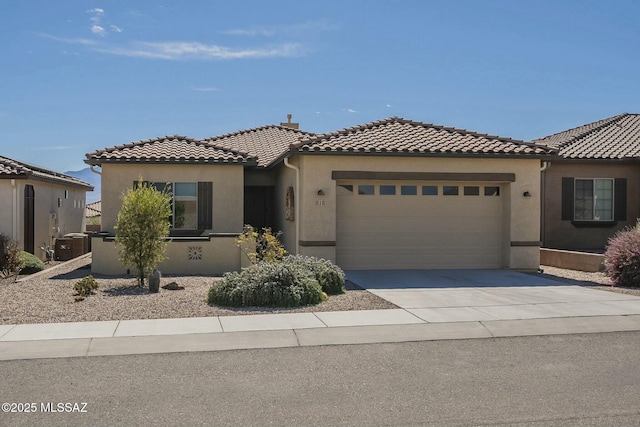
258	206
29	218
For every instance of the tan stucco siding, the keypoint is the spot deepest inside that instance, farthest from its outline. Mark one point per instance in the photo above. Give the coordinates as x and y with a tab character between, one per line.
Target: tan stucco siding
562	234
227	189
51	219
286	177
521	214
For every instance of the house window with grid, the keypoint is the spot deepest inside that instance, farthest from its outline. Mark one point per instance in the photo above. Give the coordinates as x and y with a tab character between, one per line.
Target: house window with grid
191	205
593	200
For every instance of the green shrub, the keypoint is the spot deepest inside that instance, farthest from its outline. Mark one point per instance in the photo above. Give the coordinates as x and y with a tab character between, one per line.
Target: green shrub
32	264
86	286
622	257
13	262
267	284
329	276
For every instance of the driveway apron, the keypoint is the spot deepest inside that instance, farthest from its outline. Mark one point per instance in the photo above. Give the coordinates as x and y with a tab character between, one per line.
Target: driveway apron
481	295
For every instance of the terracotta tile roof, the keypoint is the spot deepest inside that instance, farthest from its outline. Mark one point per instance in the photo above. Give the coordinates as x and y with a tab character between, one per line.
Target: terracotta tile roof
266	143
396	135
616	138
93	209
168	149
10	168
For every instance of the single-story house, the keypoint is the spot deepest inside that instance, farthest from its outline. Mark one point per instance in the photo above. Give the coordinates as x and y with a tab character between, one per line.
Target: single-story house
39	205
391	194
589	192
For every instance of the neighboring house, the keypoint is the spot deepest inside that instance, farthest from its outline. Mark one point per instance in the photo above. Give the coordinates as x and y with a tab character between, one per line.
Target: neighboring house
384	195
590	192
39	205
93	215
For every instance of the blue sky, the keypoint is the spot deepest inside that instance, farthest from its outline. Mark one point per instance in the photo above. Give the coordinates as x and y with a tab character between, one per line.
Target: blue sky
77	76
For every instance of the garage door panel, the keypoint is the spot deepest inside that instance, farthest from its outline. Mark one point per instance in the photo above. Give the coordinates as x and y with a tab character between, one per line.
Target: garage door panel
378	232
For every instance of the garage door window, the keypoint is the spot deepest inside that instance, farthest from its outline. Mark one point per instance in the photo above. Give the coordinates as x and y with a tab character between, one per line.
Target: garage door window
344	190
409	190
491	191
471	191
387	190
450	190
429	190
366	190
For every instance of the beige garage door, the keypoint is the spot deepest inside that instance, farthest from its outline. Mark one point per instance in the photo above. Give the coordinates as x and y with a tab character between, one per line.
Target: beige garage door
421	225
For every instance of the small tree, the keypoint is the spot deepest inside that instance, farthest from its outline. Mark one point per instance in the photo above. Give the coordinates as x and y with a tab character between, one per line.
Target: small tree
13	262
142	228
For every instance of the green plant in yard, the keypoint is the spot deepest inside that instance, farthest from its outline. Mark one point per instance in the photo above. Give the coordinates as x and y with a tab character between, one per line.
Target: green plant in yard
142	228
329	276
32	264
13	260
267	284
261	245
86	286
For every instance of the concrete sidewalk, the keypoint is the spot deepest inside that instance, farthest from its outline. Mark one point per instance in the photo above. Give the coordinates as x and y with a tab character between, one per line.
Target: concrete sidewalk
433	305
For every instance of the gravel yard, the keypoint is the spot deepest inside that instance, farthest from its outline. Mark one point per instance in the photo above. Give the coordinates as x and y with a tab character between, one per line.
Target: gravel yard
49	297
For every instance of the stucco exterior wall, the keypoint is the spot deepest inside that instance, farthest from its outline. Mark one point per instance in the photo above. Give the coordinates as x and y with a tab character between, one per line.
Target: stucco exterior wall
58	210
522	214
213	256
562	234
228	189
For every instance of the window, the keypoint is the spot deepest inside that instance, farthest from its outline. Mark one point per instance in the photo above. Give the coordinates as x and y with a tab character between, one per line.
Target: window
365	190
429	190
344	189
450	190
191	204
408	190
589	201
471	191
491	191
593	200
387	190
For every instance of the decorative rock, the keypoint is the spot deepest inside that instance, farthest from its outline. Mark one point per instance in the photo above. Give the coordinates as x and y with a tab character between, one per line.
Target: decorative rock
154	281
173	286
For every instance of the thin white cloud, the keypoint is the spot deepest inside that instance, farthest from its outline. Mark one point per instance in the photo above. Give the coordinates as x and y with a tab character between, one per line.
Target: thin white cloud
270	31
98	30
54	148
200	51
80	41
115	28
96	10
351	110
388	105
205	89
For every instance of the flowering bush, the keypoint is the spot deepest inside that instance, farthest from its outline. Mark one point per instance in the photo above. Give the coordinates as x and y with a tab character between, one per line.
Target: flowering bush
261	245
622	257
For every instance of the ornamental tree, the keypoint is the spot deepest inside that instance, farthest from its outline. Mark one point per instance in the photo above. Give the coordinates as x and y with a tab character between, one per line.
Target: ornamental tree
142	228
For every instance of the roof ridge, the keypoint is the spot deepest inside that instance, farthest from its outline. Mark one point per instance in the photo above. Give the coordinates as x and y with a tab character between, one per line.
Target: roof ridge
402	120
604	122
255	129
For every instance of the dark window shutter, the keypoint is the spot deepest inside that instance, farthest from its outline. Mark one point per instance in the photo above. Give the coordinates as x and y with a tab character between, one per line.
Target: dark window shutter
567	199
620	202
205	205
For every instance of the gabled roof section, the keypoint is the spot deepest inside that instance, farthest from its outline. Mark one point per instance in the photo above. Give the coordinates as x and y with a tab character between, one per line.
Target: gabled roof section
266	143
15	169
396	135
174	149
93	209
614	138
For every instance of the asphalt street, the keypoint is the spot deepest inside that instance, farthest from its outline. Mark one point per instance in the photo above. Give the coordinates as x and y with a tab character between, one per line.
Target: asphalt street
563	380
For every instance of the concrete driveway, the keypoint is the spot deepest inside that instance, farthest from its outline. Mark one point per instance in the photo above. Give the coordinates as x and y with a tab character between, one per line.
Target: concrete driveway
483	295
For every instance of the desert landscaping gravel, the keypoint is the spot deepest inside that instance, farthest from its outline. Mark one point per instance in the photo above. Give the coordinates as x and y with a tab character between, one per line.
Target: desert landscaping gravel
48	297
